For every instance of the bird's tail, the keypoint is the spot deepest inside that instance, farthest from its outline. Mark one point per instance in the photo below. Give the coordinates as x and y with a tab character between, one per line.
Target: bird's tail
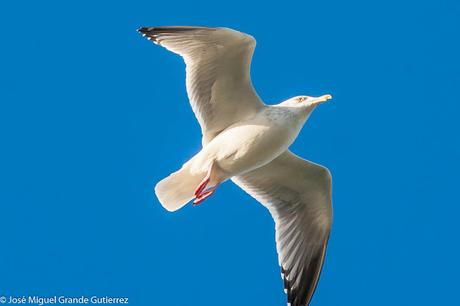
178	189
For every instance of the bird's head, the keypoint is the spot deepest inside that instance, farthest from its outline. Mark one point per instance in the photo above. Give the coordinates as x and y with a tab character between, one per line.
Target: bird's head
303	106
305	102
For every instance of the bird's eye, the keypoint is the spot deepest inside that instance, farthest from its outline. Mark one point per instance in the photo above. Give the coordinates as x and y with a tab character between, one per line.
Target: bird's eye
301	99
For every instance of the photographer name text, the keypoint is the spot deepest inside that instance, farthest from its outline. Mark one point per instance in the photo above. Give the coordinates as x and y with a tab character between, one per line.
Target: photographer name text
50	300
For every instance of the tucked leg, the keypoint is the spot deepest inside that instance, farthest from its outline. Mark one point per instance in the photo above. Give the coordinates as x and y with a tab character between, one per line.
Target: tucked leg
202	186
214	175
204	195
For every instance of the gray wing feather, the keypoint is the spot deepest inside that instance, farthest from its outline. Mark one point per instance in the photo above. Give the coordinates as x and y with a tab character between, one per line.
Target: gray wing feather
218	79
298	195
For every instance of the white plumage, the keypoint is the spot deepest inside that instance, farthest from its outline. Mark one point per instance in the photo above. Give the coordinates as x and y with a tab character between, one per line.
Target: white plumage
247	141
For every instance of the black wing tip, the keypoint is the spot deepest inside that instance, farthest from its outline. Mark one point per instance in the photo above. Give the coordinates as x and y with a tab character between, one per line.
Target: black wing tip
302	294
145	30
171	29
149	32
153	33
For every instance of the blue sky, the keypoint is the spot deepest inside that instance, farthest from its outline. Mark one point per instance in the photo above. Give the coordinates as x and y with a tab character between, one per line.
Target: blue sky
92	116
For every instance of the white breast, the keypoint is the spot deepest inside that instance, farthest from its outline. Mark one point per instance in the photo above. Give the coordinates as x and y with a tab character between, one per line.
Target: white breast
251	144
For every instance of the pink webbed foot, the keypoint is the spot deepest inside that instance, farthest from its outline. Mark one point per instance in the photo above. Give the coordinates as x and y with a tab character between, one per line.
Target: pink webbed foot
202	192
202	186
203	197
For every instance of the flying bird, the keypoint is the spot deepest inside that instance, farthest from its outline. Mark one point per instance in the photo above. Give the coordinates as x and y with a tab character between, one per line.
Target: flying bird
247	141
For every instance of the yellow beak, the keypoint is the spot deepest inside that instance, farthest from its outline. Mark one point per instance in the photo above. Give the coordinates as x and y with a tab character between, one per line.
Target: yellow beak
322	99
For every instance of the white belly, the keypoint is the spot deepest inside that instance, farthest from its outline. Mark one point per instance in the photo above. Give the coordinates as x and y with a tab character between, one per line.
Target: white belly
247	146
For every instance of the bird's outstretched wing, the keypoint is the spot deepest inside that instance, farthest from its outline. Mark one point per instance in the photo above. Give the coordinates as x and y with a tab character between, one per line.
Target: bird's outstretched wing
298	196
218	78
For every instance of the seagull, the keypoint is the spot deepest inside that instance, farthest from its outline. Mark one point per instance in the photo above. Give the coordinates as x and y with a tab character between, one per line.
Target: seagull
247	141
